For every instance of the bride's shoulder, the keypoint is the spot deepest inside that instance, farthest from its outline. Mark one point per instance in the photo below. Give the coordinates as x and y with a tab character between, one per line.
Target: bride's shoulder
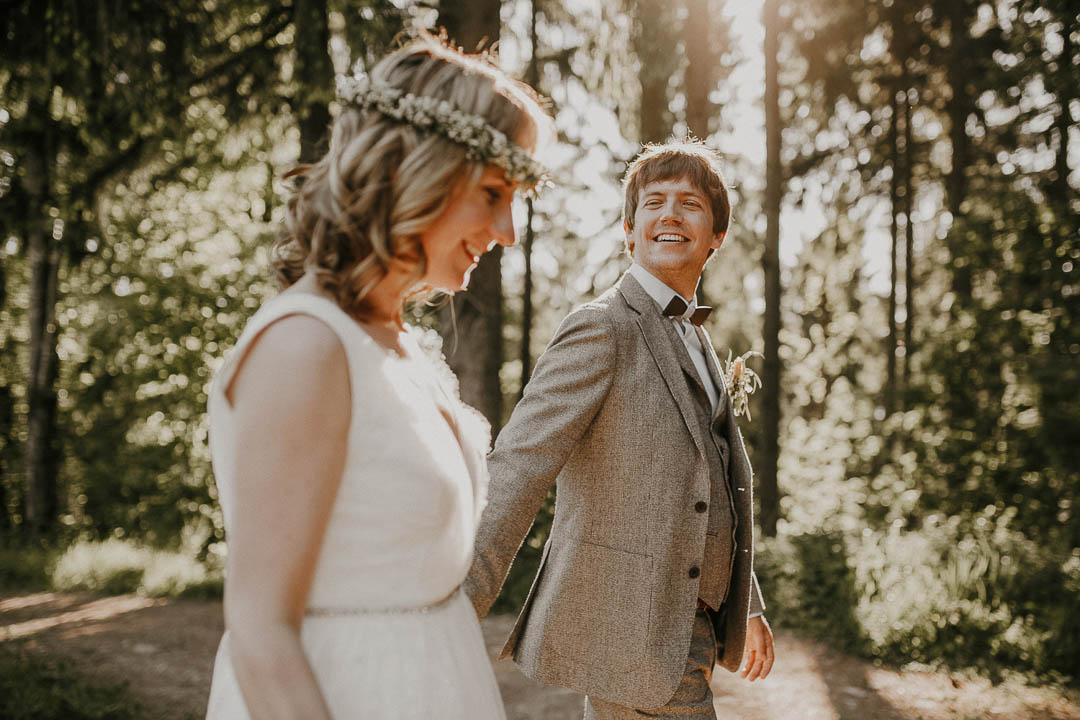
295	346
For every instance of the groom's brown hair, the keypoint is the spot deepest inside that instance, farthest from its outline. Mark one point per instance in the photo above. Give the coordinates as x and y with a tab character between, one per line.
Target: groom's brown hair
675	159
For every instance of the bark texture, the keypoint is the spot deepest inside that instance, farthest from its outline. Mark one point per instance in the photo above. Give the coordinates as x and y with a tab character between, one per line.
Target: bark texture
41	498
768	486
472	323
314	76
894	209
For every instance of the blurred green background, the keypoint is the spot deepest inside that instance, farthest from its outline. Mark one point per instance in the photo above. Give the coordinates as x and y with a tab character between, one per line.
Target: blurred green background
903	252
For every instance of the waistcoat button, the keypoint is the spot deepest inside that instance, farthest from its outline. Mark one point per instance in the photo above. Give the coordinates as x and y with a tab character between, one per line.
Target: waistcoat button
701	506
694	572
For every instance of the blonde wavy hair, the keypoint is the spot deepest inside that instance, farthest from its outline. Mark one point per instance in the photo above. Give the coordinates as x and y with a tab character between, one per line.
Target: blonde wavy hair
360	210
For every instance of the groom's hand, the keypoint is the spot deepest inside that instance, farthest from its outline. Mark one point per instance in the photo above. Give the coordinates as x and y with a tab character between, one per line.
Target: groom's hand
758	656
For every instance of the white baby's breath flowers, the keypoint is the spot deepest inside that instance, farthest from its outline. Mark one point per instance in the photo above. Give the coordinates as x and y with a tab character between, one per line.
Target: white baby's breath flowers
481	141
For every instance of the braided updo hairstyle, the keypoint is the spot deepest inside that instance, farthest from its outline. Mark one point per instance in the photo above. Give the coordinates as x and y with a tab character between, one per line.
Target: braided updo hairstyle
360	210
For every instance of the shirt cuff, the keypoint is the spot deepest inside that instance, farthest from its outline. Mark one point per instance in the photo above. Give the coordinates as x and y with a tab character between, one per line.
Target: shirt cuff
754	615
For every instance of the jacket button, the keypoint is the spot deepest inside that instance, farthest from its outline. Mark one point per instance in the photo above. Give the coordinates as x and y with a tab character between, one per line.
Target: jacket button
694	572
701	506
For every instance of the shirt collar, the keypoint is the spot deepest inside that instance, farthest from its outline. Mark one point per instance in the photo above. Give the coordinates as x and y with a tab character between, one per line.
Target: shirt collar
658	291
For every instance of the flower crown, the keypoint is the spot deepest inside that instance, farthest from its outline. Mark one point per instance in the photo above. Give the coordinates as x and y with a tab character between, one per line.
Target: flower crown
481	141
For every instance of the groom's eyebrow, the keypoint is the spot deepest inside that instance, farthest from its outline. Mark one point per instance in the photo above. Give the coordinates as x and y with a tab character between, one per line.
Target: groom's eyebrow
696	194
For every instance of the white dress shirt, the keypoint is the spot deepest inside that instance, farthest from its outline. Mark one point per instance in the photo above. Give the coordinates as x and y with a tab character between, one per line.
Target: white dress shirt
662	294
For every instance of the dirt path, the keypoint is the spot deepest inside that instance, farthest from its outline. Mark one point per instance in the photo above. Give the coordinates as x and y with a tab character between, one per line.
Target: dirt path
164	650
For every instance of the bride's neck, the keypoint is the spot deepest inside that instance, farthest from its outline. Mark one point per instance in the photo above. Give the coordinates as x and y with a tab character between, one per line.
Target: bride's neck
387	300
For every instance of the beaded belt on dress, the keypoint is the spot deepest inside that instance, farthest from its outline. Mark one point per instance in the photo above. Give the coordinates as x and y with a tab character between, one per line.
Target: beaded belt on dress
348	611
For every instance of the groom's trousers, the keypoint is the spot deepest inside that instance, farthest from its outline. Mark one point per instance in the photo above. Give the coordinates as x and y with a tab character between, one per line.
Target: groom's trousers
693	699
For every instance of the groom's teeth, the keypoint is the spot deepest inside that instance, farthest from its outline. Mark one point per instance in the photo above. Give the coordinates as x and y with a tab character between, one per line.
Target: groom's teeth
668	237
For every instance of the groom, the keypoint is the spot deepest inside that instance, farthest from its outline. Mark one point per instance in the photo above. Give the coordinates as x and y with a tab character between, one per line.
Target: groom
647	578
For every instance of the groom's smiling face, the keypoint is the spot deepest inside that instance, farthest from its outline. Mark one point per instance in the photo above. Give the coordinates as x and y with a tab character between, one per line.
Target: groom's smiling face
673	234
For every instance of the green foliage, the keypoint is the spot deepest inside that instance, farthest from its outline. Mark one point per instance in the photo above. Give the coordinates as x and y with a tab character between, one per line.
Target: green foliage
809	584
943	534
144	324
947	595
24	567
520	578
116	567
997	424
32	688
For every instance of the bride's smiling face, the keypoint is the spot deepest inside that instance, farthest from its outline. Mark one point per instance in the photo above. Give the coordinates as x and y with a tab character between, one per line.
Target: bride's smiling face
477	218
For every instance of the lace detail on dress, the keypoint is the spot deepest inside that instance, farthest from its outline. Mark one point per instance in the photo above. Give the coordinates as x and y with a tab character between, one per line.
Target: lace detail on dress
474	428
431	343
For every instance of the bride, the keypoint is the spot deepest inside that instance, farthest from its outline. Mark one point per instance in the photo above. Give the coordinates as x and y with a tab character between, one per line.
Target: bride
350	474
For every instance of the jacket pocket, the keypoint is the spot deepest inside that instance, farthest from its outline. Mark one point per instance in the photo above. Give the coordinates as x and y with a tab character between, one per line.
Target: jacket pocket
600	608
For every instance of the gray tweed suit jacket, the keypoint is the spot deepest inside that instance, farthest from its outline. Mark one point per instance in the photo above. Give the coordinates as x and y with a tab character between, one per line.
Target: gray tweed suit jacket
609	416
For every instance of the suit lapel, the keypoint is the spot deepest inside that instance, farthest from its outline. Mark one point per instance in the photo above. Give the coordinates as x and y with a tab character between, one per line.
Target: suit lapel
713	364
739	466
664	344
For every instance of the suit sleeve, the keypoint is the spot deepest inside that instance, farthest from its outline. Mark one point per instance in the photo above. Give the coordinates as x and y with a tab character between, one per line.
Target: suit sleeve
567	389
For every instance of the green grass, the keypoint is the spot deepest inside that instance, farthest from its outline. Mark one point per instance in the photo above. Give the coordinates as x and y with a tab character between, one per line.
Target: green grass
111	567
32	688
115	567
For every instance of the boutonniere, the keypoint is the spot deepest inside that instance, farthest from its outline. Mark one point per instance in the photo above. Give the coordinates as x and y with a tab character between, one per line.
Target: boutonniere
741	382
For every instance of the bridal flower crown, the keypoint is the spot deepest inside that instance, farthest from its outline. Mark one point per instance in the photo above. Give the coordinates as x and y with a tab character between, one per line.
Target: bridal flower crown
481	141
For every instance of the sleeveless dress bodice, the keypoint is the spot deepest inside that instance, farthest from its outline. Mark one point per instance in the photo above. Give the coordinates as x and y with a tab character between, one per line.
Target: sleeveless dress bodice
387	632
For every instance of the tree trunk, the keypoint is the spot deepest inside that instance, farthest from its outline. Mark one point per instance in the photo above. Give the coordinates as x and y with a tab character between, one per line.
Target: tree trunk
958	108
7	403
768	486
532	77
909	241
1065	92
473	25
41	496
314	77
650	47
894	208
699	69
472	324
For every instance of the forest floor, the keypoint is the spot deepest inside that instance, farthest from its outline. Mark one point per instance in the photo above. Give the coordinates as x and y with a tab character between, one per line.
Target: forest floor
163	651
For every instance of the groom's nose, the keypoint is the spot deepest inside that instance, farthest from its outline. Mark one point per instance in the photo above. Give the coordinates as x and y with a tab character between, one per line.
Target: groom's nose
671	213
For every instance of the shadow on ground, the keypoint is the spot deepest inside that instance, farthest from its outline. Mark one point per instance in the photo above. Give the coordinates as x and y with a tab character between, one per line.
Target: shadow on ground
164	651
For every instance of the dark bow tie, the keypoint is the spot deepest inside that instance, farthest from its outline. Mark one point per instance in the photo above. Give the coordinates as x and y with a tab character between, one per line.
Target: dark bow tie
677	308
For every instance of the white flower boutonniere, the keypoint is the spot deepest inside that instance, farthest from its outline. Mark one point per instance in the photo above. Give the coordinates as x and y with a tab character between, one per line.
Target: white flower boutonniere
741	382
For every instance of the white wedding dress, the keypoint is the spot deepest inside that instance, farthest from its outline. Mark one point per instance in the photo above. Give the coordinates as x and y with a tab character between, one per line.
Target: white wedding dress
388	633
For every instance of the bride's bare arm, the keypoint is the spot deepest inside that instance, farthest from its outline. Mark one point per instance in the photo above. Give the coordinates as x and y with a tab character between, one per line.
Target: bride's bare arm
291	400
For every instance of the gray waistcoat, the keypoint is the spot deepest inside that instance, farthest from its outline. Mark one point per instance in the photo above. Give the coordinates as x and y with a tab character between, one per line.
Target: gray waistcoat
720	541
